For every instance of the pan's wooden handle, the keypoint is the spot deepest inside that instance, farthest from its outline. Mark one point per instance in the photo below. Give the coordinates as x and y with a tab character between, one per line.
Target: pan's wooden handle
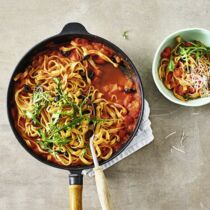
75	192
102	188
75	195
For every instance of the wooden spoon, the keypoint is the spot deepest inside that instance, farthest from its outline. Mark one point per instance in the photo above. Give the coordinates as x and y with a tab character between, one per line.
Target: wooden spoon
101	182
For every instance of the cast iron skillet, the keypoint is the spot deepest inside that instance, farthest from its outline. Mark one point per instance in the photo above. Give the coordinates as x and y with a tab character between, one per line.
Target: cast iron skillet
70	31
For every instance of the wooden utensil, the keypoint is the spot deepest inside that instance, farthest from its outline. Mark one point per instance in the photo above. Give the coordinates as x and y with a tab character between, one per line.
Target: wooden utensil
101	182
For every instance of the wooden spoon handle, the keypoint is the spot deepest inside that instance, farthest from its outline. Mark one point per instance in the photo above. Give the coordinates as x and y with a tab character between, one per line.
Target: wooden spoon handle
102	188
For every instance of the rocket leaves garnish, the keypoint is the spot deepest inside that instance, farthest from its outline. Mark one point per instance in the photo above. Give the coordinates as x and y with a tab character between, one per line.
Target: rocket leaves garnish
54	133
39	100
32	116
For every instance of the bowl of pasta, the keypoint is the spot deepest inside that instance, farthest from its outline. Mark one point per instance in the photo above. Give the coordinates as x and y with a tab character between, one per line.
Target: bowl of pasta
181	67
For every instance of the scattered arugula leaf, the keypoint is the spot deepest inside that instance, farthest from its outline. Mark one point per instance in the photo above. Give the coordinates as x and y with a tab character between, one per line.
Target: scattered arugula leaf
125	35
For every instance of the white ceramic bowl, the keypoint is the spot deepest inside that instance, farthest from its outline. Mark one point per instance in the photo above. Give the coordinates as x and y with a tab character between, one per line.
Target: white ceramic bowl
199	34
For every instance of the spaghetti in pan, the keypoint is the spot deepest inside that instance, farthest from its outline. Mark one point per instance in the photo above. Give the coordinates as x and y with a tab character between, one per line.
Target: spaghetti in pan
66	91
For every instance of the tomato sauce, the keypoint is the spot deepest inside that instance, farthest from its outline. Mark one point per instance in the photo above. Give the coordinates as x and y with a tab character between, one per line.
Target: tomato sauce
111	81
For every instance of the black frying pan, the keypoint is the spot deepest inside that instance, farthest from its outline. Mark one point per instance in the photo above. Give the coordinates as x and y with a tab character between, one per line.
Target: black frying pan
70	31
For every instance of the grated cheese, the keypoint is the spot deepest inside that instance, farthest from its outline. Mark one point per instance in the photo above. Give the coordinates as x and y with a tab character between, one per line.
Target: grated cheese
199	77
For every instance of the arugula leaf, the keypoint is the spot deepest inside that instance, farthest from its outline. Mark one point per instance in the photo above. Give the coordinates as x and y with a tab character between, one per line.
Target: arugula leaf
83	153
83	103
171	64
30	115
56	80
64	97
55	118
42	134
72	104
97	120
186	96
58	140
39	100
70	125
125	35
41	97
55	139
197	49
37	109
58	89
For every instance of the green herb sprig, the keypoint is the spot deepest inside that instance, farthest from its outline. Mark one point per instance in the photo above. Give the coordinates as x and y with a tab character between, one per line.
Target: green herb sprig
52	136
